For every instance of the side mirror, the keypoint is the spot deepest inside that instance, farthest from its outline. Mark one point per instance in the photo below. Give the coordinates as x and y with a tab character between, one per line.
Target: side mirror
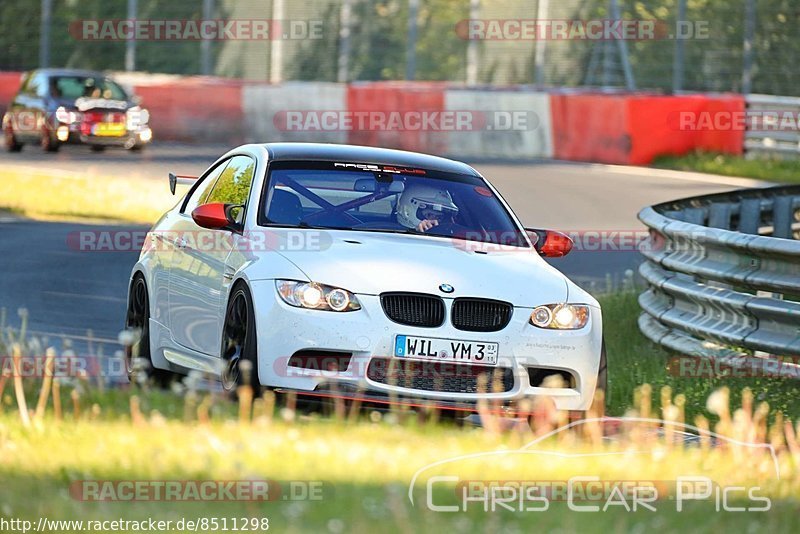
550	243
217	216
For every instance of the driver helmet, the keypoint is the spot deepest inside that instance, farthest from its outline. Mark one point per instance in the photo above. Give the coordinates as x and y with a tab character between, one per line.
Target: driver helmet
419	202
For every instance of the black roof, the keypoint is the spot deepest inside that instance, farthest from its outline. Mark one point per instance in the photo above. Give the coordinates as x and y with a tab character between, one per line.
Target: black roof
364	154
70	72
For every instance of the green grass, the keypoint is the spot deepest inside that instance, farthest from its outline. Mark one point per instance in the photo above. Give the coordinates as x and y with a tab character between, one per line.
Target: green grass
364	470
634	360
769	169
43	195
365	465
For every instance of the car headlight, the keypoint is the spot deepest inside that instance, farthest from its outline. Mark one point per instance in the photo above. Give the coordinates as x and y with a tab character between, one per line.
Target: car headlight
137	117
66	116
560	316
316	296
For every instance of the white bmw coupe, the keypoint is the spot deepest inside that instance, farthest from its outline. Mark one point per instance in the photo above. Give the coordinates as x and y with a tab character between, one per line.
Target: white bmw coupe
354	269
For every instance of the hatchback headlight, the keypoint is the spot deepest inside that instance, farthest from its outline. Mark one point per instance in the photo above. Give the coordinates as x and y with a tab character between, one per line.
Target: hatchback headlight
316	296
560	316
66	116
137	117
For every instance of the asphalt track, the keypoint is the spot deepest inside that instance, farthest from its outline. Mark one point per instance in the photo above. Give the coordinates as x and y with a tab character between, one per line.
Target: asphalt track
68	292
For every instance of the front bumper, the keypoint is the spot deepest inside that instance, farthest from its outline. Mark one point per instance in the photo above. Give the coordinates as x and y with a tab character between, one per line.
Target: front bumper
133	137
368	336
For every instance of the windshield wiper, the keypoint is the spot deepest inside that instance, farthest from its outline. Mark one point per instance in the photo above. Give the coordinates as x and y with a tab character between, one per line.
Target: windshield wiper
388	231
304	225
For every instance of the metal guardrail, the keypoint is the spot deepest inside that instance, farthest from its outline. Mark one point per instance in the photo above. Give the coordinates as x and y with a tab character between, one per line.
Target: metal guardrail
772	124
723	275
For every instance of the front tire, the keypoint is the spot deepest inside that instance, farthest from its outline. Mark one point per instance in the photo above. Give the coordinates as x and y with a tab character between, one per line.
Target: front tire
138	319
602	384
239	341
48	142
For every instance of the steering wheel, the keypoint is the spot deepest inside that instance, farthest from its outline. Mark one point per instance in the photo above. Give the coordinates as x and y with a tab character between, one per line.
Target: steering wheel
446	228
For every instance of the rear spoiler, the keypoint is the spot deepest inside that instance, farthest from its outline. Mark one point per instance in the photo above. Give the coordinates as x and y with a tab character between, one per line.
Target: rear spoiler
175	179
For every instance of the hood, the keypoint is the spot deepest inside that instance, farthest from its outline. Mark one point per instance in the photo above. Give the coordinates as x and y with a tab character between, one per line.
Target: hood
86	104
372	263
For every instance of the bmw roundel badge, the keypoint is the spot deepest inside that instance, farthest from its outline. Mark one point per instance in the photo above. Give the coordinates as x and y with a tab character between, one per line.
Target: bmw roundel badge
446	288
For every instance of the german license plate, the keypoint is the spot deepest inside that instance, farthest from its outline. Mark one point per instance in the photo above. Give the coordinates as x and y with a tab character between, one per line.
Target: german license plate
449	350
109	129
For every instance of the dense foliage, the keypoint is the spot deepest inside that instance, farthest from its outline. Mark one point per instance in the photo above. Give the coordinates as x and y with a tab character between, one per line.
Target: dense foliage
379	33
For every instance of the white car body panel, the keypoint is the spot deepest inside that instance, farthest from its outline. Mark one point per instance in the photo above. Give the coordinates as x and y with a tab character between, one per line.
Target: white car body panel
370	262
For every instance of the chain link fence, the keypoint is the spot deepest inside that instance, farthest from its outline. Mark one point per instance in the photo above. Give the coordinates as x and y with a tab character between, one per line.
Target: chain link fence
698	45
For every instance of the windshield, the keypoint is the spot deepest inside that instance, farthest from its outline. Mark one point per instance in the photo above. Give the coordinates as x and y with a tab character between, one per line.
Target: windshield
383	198
74	87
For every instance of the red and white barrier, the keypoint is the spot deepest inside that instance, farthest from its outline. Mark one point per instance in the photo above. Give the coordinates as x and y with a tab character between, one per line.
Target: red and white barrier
294	111
634	129
397	115
9	84
433	117
667	125
505	124
196	109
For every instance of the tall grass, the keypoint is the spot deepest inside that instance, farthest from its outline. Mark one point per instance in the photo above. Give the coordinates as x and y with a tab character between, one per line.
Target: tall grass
56	431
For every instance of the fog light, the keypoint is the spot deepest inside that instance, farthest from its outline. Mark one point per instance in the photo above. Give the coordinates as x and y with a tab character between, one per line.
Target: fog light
146	135
62	133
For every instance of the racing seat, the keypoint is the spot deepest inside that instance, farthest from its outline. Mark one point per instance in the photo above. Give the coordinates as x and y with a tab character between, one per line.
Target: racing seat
285	208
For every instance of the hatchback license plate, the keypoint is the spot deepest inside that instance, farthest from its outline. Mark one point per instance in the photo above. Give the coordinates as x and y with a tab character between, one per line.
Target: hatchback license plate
450	350
109	129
